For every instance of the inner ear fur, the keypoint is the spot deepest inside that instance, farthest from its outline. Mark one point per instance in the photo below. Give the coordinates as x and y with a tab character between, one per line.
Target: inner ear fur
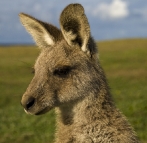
74	26
44	34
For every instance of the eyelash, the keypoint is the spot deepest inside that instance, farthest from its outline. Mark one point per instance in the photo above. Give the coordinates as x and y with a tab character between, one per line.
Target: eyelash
62	71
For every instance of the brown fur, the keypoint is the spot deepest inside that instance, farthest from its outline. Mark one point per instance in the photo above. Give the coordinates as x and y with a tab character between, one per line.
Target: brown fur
69	78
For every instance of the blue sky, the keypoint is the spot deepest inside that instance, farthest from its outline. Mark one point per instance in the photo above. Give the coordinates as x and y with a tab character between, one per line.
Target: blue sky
109	19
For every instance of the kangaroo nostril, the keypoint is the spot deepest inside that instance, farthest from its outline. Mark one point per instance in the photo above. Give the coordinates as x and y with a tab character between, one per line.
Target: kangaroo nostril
30	102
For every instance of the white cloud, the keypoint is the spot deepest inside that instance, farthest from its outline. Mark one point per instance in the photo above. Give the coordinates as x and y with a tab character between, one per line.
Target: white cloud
114	10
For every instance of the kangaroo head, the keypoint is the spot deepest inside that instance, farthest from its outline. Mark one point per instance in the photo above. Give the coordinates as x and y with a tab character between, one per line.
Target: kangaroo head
65	70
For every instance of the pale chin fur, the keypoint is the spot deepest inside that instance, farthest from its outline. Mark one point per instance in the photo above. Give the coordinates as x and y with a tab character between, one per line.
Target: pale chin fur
27	112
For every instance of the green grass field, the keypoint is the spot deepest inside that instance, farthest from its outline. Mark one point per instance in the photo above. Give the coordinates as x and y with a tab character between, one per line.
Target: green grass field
124	62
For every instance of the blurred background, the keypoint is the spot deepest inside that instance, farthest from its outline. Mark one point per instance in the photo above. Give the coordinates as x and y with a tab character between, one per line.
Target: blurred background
109	19
120	29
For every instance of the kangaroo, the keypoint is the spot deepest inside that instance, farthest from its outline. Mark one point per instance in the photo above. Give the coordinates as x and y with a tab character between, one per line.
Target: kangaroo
69	78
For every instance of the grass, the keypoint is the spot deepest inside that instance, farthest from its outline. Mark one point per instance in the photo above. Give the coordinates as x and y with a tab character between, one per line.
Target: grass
15	74
124	62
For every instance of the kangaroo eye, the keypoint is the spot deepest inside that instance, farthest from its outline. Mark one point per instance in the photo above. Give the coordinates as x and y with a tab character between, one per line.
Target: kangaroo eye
62	71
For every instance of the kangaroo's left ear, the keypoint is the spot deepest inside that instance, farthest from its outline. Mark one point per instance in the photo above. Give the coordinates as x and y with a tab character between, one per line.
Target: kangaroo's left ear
45	35
75	27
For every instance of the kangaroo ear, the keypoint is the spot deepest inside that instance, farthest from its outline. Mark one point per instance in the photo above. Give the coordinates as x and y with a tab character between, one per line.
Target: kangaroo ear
44	34
74	26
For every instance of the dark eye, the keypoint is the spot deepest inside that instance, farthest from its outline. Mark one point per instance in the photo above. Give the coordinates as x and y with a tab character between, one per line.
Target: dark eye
62	71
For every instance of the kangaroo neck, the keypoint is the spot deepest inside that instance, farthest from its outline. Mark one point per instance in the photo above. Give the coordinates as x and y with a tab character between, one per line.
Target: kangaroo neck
85	110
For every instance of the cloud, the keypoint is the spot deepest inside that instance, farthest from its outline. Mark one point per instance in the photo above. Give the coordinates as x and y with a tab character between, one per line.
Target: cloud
114	10
109	19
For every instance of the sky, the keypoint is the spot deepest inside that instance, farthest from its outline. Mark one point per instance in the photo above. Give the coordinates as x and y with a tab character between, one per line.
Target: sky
109	19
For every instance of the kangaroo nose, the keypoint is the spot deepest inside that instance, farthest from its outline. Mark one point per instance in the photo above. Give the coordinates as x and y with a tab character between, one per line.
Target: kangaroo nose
27	104
30	103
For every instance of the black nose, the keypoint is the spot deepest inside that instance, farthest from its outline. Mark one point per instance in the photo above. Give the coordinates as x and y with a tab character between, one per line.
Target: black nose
30	103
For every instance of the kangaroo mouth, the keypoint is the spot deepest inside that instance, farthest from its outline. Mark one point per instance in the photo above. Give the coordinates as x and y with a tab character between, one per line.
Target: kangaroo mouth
43	111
